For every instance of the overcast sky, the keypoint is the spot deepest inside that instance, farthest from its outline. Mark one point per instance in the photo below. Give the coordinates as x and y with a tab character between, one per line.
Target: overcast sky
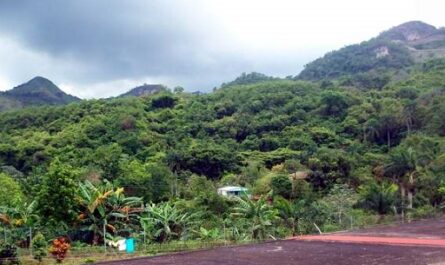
101	48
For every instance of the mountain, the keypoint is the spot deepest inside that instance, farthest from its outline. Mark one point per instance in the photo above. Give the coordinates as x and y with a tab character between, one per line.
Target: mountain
397	48
37	91
144	90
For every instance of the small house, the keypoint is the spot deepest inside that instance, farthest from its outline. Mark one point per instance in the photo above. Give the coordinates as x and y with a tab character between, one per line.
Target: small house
233	191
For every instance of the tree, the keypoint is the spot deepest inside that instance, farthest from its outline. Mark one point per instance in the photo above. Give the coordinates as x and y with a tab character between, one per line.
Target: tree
379	197
340	199
289	212
150	181
56	200
282	186
178	89
334	103
10	191
403	168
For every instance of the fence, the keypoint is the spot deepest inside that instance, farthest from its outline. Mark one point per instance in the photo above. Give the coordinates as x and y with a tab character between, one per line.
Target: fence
83	253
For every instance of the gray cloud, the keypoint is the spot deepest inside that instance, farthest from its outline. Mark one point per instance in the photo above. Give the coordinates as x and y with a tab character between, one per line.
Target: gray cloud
96	48
114	40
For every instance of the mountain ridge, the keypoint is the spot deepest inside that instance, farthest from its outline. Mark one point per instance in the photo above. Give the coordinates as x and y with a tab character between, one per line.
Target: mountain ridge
395	49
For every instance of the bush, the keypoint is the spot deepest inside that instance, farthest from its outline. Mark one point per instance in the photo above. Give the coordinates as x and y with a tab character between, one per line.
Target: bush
59	249
281	185
426	211
8	254
39	247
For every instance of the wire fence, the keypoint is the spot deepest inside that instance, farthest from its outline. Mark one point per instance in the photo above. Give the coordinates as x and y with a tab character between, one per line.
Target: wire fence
81	253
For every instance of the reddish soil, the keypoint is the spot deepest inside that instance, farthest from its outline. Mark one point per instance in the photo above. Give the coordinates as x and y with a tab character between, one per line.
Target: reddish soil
419	242
432	228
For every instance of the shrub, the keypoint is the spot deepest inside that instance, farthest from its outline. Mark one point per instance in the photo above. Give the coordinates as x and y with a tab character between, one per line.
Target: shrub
59	249
39	247
425	211
8	254
281	185
89	260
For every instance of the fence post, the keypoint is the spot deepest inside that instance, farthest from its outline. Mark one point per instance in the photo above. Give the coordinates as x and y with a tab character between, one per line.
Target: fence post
352	227
30	240
224	231
105	241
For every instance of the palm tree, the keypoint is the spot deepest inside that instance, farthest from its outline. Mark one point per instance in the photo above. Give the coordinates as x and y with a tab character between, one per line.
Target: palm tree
408	115
370	130
288	212
378	197
259	213
403	168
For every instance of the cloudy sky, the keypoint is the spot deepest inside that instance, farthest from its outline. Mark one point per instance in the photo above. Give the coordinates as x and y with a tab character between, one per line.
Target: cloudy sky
102	48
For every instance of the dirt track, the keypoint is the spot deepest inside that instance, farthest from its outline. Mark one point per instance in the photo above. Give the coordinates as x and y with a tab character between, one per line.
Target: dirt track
324	251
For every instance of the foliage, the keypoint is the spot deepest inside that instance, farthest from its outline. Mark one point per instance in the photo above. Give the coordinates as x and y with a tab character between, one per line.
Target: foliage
8	254
39	247
167	221
57	194
59	249
378	197
105	207
358	58
365	131
249	78
259	214
281	185
10	191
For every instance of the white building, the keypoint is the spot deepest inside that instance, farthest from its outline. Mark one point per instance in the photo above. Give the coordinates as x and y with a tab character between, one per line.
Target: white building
232	191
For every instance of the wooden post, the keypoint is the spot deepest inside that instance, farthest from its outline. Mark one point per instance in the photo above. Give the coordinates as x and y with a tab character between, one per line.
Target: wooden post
30	240
105	241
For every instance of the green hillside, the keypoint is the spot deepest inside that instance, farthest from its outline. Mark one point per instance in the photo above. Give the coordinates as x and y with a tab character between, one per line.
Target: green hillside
358	140
37	91
371	64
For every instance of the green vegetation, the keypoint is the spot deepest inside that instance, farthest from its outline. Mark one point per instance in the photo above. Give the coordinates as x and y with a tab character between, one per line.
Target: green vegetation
323	155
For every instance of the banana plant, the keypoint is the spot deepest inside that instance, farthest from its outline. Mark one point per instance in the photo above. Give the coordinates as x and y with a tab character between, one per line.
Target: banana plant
105	209
167	221
259	213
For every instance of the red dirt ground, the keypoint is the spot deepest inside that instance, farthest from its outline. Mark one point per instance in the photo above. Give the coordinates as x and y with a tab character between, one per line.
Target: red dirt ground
419	242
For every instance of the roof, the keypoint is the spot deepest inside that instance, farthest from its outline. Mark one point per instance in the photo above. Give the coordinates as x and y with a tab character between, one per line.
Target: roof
232	188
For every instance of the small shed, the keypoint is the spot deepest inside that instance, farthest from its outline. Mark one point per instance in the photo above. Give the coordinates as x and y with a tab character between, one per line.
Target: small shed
233	191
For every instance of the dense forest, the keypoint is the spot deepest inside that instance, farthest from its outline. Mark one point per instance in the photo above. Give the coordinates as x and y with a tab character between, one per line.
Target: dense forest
318	152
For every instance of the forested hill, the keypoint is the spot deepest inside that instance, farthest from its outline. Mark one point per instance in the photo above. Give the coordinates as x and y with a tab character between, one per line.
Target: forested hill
236	134
371	64
35	92
144	90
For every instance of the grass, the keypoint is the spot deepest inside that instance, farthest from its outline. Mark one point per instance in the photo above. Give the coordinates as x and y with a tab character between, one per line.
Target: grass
89	254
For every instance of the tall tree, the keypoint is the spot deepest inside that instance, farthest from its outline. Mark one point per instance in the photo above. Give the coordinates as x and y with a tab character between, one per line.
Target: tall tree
56	200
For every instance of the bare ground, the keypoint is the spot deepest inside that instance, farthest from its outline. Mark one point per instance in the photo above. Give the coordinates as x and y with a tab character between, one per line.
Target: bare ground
324	250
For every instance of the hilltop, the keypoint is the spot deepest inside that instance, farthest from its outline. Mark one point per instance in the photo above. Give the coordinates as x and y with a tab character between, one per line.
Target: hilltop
372	63
144	90
37	91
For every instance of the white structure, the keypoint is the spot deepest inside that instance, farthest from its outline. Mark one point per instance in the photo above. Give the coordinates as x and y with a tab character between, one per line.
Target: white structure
232	191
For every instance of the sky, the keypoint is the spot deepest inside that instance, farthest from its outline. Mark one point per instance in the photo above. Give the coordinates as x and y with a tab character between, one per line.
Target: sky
102	48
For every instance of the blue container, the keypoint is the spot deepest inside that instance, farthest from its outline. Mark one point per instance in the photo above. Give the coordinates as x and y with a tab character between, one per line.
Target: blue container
130	245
